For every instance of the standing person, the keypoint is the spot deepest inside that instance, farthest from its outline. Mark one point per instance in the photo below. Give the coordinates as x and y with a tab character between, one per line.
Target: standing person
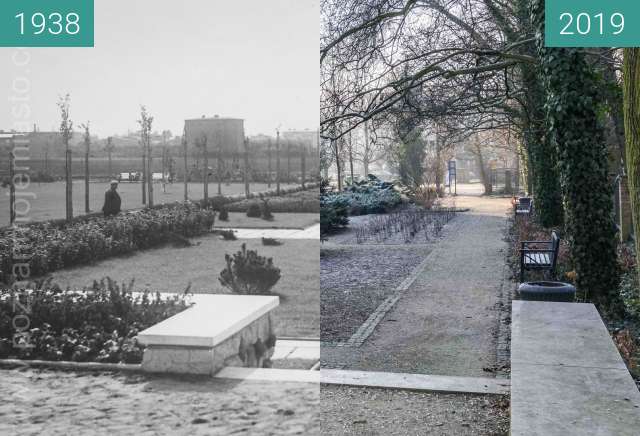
112	200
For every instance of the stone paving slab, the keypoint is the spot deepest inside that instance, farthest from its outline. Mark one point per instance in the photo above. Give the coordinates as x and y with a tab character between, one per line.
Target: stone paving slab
561	334
307	350
312	232
567	377
417	382
270	374
554	400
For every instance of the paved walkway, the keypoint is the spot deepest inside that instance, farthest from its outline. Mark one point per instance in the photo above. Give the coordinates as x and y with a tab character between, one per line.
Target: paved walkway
312	232
446	322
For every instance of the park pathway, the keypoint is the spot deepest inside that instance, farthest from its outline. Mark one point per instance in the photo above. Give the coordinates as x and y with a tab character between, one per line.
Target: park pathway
446	321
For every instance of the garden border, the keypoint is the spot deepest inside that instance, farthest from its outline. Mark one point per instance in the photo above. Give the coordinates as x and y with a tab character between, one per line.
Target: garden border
366	329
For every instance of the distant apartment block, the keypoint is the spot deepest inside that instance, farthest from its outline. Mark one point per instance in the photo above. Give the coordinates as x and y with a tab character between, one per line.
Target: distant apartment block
227	133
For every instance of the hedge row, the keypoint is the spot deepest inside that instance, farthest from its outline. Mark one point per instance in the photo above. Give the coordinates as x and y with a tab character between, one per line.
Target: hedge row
47	247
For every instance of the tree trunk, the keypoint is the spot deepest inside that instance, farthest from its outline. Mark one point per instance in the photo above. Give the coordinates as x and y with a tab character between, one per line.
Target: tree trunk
631	81
486	182
278	163
247	191
303	165
220	166
110	165
365	154
336	145
571	90
351	157
69	187
144	174
205	178
269	163
86	181
12	189
186	167
438	175
288	162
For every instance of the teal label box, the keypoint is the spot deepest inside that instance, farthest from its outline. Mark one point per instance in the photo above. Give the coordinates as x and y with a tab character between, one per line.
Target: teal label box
46	23
592	23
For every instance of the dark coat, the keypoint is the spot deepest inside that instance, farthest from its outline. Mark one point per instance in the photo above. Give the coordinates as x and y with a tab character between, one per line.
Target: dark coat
112	203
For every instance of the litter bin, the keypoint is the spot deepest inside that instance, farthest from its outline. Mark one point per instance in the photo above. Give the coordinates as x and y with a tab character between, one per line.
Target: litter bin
547	291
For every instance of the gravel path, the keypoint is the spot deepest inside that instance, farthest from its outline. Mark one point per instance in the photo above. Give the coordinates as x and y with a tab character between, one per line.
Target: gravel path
362	411
446	322
355	280
35	402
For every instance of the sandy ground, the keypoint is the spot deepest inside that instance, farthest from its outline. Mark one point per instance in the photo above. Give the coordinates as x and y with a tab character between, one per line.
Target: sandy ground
35	402
363	411
446	322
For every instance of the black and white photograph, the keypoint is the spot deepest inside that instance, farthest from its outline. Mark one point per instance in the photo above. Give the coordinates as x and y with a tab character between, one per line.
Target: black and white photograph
159	224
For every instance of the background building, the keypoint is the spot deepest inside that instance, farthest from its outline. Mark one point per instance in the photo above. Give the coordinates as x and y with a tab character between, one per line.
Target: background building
227	133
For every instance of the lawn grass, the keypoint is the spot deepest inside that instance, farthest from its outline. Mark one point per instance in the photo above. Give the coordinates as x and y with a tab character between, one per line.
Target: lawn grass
239	220
48	198
172	269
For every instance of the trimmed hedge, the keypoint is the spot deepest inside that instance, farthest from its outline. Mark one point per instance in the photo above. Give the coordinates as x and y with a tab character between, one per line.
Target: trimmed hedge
48	247
57	244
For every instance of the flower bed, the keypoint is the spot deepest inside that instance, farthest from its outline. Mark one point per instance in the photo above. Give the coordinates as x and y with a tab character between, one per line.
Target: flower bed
93	325
48	247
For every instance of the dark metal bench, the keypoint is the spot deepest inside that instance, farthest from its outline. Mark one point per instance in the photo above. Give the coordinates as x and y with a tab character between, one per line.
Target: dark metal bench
539	255
523	206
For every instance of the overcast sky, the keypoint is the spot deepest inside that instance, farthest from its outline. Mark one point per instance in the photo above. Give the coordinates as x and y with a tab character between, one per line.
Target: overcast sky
255	59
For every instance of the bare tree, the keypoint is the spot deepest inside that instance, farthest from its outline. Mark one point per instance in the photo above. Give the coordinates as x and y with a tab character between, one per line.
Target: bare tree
145	122
186	165
66	132
87	150
201	143
247	170
109	148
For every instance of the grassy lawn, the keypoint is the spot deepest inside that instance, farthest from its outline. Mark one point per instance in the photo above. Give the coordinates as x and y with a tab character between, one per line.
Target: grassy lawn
171	269
240	220
48	200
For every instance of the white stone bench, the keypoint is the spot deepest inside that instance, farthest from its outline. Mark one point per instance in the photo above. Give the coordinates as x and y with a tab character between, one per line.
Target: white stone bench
567	377
217	331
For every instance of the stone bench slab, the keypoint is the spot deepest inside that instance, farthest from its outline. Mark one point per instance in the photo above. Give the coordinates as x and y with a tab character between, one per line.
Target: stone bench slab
210	321
217	331
567	377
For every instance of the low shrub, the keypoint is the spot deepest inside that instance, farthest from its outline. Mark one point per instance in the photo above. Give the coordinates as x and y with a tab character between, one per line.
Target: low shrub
369	196
223	214
265	211
227	235
247	273
97	324
270	242
334	213
254	211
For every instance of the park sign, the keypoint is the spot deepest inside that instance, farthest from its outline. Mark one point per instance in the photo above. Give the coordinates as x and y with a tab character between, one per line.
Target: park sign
47	23
592	23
